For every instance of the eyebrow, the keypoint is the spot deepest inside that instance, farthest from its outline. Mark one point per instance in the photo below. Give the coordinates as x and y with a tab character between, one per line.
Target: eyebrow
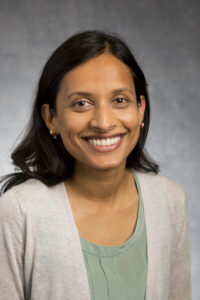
83	93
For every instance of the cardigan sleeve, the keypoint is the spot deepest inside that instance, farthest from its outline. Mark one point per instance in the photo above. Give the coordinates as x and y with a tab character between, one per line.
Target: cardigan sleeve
180	279
11	248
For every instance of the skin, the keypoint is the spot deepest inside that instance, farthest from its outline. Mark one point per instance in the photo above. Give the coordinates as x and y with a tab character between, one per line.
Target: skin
100	183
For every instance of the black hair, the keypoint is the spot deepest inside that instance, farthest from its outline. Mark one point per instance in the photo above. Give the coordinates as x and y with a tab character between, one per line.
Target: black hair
41	157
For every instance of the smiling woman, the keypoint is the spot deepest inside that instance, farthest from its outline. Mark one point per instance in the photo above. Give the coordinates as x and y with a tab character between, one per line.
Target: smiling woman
86	120
88	215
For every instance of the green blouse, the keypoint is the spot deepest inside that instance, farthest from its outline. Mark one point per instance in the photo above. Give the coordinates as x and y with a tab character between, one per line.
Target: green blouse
119	272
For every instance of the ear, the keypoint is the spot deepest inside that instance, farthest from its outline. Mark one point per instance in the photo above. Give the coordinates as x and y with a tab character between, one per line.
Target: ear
141	107
48	117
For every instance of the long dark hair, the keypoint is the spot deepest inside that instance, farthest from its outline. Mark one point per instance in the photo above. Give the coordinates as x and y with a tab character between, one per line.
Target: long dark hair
41	157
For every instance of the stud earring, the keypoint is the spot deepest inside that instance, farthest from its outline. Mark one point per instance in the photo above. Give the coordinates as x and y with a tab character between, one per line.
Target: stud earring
142	124
53	134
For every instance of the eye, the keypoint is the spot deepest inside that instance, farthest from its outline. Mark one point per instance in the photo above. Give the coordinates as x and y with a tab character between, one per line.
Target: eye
121	100
81	103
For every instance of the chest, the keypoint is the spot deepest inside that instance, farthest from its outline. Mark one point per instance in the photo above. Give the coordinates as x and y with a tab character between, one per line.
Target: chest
106	226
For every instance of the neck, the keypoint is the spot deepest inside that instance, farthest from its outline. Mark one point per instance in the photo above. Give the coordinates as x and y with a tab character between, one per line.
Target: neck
101	185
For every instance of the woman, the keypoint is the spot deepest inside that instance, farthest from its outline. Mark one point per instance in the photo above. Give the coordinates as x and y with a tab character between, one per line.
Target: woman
88	214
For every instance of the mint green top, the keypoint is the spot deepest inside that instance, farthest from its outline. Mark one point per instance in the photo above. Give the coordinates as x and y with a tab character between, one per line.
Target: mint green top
119	272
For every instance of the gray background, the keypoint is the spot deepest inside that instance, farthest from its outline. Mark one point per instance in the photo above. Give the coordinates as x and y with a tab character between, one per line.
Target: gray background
164	35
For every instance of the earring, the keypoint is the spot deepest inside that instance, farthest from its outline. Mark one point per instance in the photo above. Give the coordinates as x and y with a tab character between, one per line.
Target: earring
53	134
142	124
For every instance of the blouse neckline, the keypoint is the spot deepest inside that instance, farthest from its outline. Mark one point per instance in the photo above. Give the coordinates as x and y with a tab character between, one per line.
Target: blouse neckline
102	250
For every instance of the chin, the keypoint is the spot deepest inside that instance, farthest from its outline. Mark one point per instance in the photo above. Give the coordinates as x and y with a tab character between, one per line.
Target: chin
106	165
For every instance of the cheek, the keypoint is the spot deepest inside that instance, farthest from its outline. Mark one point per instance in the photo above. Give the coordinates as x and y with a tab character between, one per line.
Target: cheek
130	120
70	127
69	124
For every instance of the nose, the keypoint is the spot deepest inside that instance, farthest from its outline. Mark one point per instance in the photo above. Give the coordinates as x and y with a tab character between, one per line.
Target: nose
103	118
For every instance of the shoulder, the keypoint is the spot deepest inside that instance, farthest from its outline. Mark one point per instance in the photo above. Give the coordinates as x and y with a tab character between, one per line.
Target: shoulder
169	189
165	197
26	188
160	181
27	195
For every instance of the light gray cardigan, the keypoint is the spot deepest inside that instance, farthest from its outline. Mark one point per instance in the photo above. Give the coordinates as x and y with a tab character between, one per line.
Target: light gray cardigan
40	251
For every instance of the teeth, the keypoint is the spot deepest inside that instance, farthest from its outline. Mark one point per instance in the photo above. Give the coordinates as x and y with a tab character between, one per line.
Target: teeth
104	142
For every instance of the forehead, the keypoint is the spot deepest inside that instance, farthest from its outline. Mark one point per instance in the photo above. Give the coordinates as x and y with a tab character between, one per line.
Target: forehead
104	70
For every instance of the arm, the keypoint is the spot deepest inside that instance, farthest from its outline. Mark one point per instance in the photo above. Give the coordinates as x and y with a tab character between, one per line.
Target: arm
180	279
11	248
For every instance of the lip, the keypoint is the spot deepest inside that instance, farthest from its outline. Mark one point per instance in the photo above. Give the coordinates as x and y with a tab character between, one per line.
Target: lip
108	148
103	136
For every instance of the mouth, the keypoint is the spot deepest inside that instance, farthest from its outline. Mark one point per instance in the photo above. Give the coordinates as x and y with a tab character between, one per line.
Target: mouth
104	143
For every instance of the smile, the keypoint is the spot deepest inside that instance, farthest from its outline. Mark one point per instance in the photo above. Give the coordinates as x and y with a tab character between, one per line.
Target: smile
104	144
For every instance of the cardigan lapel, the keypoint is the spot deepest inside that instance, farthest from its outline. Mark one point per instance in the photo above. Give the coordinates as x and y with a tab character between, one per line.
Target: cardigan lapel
158	235
79	284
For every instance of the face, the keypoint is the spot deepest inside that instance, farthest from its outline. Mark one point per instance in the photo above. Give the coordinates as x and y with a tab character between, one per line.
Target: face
98	117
